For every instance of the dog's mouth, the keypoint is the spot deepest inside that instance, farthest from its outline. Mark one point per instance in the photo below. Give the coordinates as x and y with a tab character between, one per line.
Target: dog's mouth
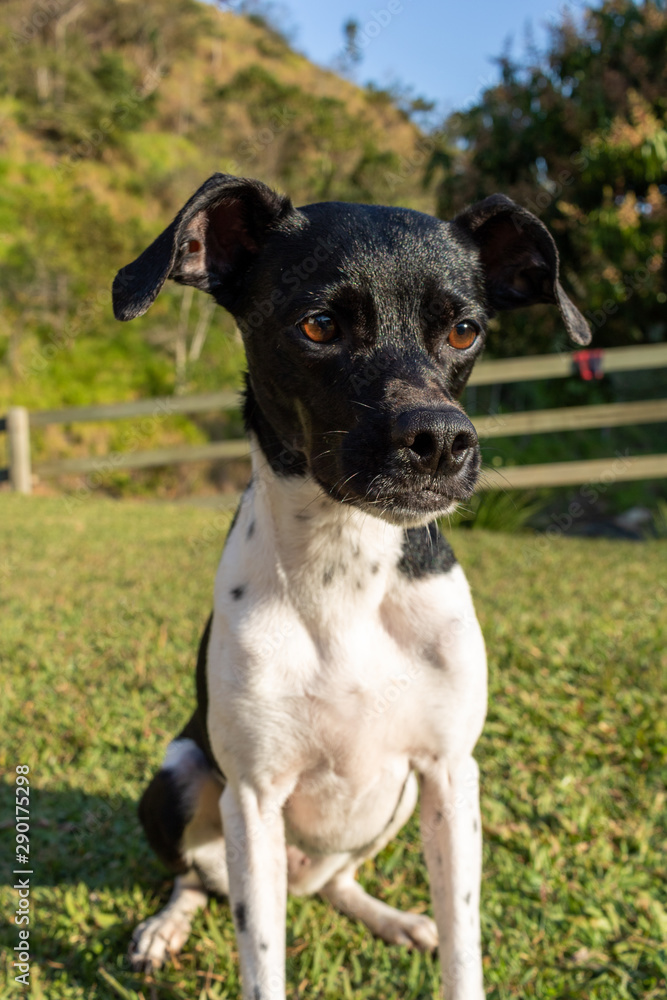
410	506
408	483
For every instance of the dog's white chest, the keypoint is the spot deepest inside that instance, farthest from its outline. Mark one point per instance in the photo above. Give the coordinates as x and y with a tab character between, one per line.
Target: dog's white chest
334	673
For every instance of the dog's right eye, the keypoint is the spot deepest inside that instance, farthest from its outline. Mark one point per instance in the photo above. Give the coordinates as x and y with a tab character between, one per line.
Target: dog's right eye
320	328
463	335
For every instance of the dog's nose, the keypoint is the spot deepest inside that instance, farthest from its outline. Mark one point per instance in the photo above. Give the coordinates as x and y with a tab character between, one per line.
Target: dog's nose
436	441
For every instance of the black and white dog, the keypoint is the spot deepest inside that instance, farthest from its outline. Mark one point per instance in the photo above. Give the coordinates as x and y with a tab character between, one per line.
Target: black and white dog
343	666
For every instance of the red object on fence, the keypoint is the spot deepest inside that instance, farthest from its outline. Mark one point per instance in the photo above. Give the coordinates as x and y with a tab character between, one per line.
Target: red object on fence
589	364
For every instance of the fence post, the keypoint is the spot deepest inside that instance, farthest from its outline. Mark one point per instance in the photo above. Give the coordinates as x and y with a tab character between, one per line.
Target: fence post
18	439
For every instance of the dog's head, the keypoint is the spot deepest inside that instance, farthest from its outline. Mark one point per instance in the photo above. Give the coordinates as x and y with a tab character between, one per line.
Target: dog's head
361	325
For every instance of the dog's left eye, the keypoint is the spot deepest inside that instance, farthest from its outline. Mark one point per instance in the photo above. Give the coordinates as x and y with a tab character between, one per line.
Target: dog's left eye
462	336
320	328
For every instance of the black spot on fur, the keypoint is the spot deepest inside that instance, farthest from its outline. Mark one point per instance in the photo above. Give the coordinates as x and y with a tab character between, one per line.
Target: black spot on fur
475	826
263	946
251	530
328	575
240	917
257	993
237	593
425	551
466	899
302	517
374	568
432	655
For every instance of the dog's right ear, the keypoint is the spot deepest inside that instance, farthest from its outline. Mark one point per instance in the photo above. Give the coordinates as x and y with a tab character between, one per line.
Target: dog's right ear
210	244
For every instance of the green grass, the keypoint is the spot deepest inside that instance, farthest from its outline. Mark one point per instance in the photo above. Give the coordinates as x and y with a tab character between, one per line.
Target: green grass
103	604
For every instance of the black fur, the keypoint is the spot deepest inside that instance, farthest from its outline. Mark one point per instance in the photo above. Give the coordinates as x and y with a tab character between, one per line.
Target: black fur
394	282
196	728
285	461
240	917
425	551
164	818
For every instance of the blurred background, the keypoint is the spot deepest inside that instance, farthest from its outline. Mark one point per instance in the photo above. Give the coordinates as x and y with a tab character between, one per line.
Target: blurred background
112	113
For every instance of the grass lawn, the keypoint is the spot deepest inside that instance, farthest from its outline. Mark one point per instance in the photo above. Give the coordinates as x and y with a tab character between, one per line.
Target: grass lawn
102	608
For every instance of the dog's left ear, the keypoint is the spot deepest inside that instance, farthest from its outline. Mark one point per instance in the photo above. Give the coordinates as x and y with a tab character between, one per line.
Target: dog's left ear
210	244
520	260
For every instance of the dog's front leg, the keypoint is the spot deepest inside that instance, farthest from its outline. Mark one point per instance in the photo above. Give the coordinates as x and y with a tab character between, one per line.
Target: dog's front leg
452	839
257	864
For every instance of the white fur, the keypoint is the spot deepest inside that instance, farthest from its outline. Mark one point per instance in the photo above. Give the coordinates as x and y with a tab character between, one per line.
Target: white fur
333	679
328	684
165	934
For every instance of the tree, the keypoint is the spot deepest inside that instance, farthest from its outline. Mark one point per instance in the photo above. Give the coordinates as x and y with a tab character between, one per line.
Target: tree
578	136
351	55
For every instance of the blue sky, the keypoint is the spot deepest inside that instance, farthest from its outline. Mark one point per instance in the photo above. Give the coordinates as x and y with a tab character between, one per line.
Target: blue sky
442	49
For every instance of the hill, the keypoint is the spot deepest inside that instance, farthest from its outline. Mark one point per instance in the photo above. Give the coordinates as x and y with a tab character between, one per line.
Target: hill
111	114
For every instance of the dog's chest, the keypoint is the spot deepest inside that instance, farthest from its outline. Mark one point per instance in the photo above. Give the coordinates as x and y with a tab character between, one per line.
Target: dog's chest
333	671
323	715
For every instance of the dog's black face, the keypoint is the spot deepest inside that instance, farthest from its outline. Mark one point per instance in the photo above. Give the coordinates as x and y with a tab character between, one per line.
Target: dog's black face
361	325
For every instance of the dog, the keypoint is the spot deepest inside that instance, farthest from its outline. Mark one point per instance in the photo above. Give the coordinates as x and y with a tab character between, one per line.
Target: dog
343	668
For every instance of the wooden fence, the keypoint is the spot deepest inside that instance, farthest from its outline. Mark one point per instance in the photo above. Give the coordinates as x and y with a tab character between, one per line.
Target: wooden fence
18	422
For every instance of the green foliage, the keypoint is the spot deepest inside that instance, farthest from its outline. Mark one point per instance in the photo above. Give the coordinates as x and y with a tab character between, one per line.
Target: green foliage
578	135
312	134
497	511
98	650
660	520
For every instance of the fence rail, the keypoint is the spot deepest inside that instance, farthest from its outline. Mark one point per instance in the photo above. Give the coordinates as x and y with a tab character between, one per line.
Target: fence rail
572	418
18	422
623	468
163	406
614	359
214	451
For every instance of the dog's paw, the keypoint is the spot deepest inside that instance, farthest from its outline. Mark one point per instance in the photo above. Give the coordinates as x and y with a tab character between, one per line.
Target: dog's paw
155	940
414	930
